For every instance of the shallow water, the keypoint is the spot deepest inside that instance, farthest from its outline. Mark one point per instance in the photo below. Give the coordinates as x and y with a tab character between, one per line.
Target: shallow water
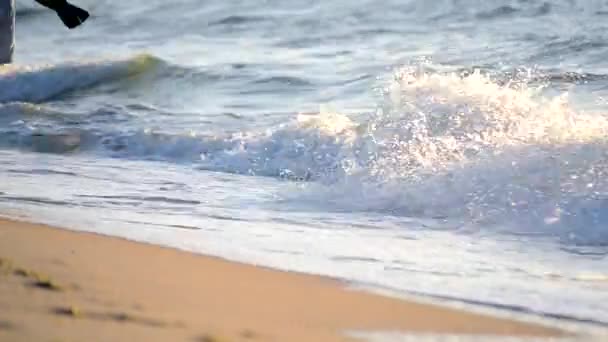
454	149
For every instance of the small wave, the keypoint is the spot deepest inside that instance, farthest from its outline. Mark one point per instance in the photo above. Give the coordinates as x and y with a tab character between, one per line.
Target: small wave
284	80
302	149
43	172
34	200
178	226
238	20
575	45
539	77
507	11
499	12
574	77
37	83
42	128
44	142
145	199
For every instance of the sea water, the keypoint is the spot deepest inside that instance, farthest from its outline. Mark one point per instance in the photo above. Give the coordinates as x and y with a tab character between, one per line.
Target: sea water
452	149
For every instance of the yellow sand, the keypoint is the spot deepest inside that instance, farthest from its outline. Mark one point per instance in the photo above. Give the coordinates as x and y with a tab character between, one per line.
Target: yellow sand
59	285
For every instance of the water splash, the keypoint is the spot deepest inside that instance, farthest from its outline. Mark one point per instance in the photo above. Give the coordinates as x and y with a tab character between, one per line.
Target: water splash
468	148
475	151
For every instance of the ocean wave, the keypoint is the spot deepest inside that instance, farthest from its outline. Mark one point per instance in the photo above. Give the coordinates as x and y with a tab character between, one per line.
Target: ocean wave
478	153
464	148
427	124
37	83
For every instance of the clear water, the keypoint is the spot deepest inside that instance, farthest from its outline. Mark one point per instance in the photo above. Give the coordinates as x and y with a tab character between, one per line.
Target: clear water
454	148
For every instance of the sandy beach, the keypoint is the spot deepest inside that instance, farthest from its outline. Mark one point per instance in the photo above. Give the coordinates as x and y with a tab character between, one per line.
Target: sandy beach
60	285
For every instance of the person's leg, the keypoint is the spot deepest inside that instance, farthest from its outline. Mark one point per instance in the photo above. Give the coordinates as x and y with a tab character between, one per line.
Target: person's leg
7	30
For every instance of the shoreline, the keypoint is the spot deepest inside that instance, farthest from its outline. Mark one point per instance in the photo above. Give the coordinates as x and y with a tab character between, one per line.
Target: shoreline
64	284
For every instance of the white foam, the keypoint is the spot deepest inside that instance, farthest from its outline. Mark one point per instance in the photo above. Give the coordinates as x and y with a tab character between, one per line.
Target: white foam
469	149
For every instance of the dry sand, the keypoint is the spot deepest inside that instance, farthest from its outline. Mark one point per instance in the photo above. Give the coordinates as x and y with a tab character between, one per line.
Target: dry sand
59	285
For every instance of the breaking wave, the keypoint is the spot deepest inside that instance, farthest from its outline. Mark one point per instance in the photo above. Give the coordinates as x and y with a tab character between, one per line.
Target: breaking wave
464	147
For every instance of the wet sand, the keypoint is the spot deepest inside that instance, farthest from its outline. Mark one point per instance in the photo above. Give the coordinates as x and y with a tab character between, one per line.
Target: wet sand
60	285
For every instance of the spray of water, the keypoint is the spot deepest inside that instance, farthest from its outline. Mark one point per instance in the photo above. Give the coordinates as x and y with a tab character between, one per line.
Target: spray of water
478	151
